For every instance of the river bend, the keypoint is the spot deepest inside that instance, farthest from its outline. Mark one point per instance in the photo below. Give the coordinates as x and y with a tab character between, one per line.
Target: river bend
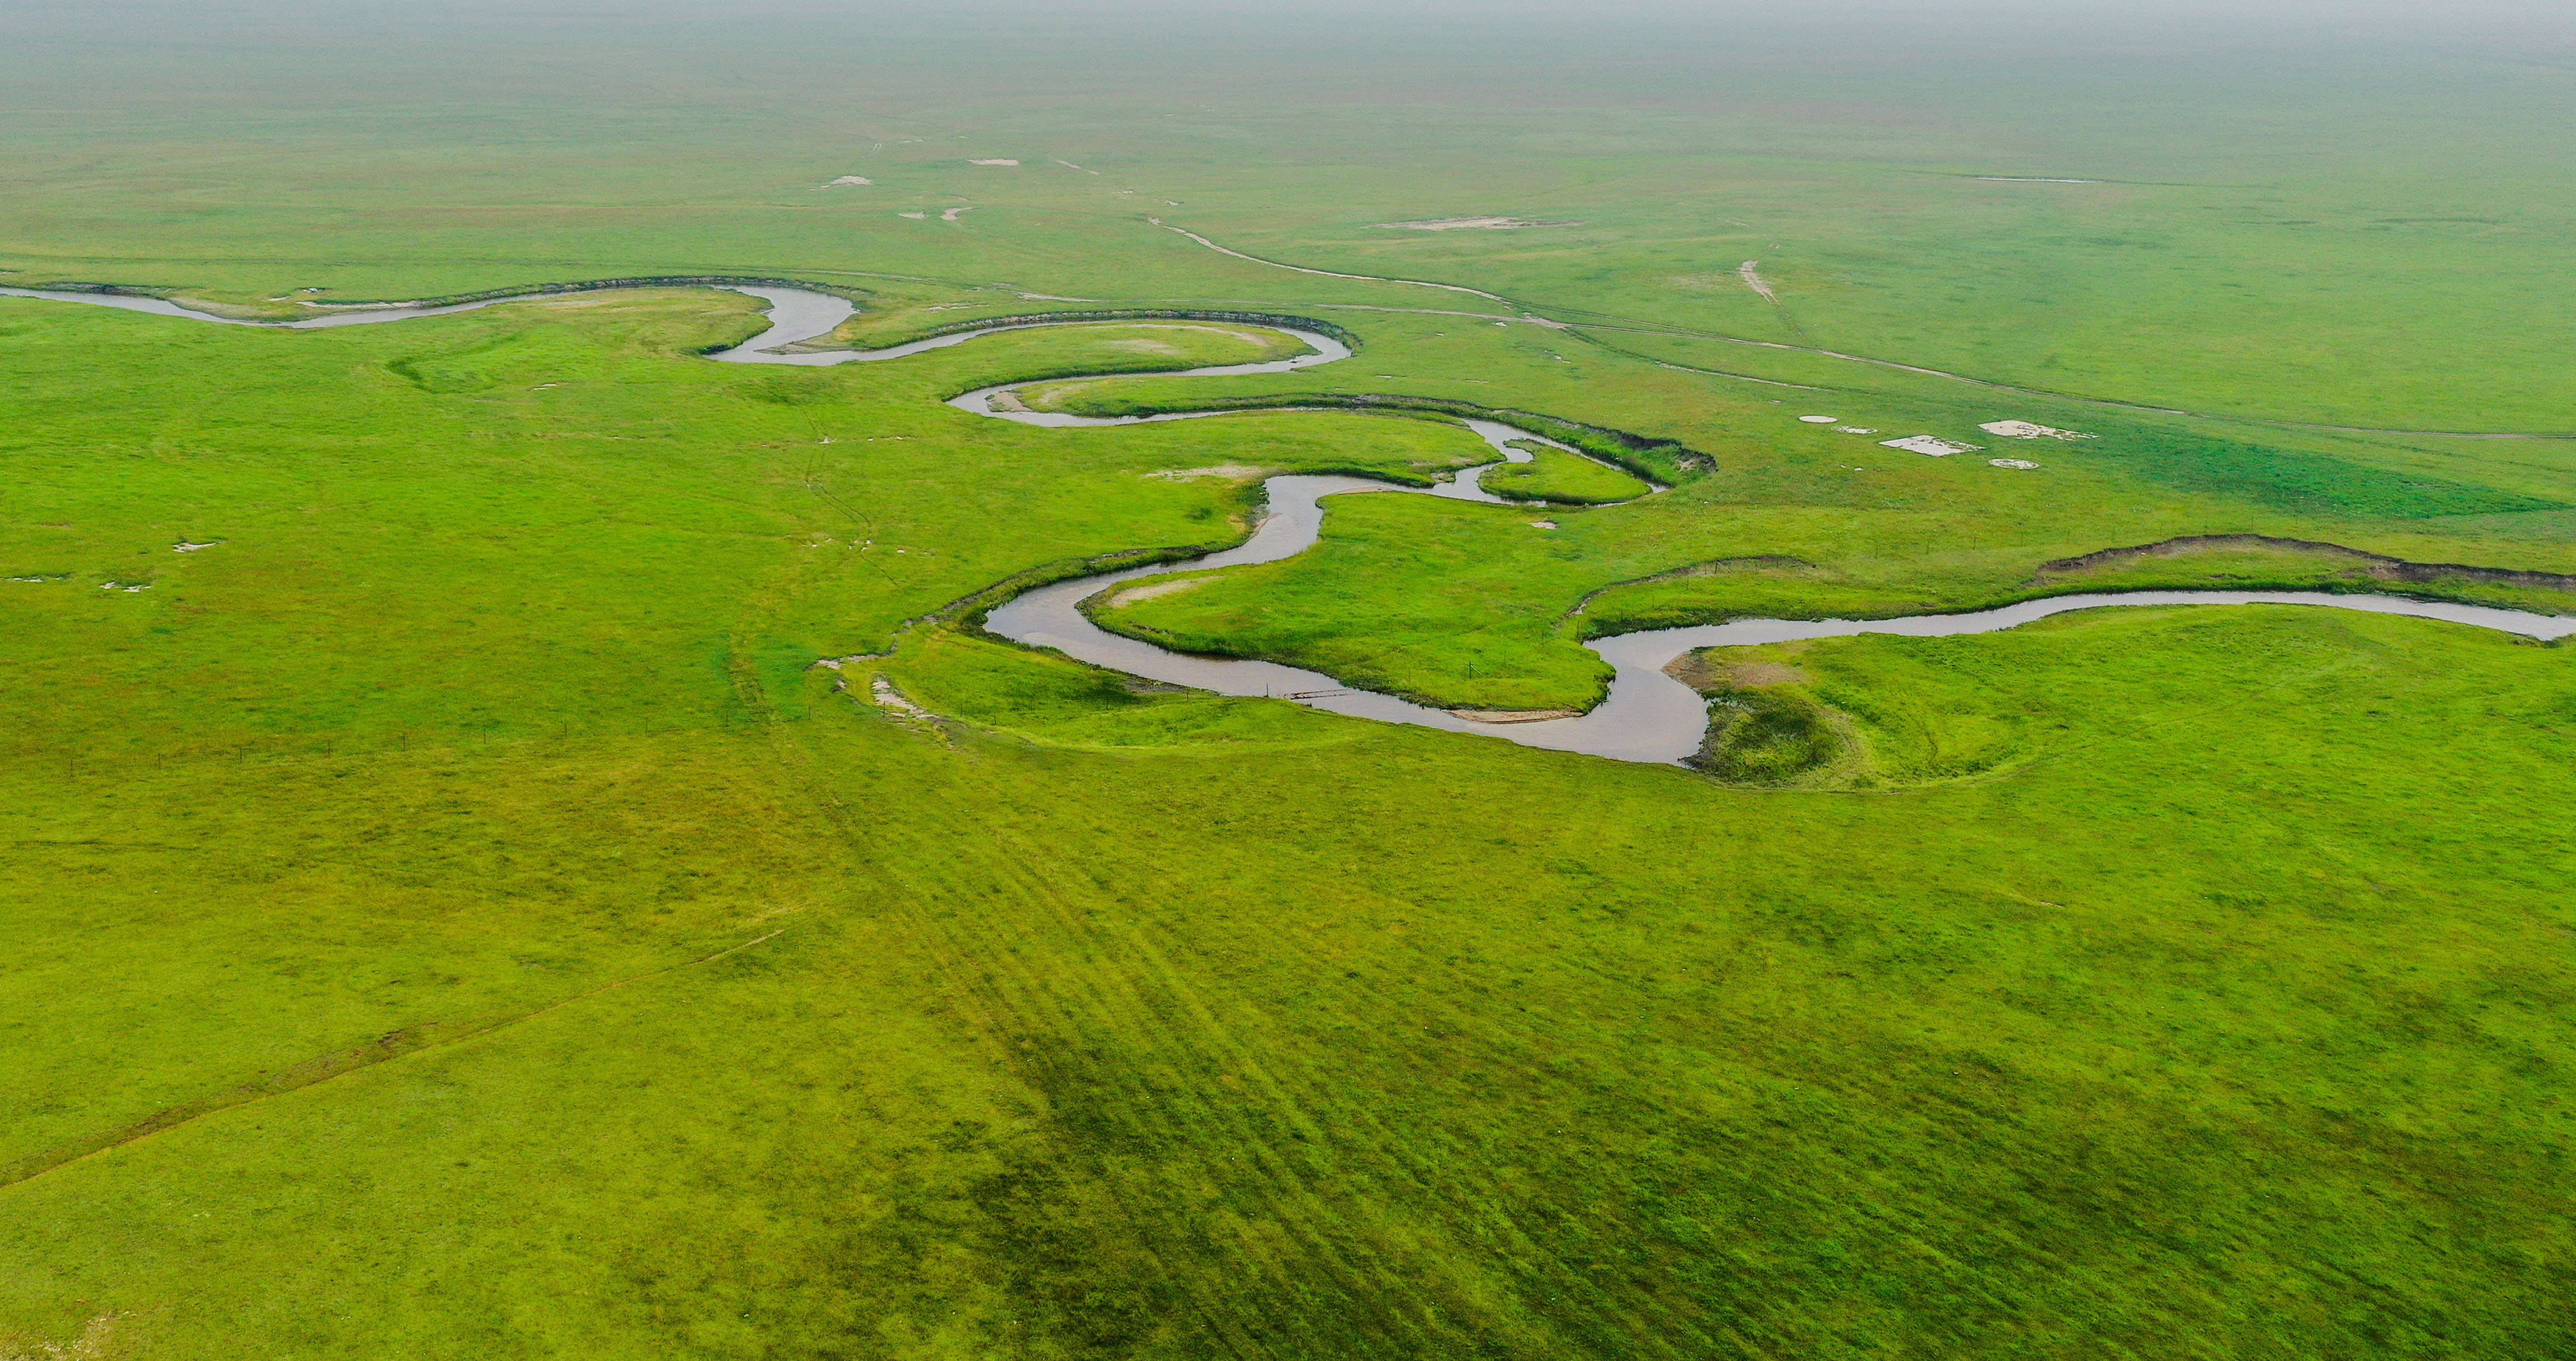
1648	716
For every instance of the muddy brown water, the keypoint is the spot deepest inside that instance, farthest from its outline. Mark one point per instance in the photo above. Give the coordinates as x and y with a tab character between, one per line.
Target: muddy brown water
1648	716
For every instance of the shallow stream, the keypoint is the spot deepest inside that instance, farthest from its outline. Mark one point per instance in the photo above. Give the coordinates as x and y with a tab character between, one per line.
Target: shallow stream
1648	716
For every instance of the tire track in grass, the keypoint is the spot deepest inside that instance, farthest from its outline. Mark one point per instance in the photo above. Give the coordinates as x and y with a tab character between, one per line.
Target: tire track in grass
313	1072
1304	1155
1326	273
1753	280
1611	322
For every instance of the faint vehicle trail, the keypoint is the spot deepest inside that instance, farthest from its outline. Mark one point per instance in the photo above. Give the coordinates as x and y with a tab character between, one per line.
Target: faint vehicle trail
323	1068
1329	274
1613	324
1753	280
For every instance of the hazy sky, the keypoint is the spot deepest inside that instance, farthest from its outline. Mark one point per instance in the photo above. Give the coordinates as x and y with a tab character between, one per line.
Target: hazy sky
103	62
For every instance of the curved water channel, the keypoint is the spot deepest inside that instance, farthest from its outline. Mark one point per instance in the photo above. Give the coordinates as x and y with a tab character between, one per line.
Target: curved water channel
1648	716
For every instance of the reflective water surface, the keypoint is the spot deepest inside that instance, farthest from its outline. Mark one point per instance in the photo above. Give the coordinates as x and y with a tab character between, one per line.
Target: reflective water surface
1648	716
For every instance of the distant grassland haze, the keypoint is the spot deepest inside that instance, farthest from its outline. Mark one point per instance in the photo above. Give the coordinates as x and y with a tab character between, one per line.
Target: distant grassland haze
2363	228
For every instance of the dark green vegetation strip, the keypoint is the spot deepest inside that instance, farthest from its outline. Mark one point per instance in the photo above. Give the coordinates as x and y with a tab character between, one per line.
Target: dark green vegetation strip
2379	565
2309	482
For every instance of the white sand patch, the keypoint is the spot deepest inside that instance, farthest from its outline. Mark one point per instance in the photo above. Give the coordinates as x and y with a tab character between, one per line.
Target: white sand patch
1514	715
1071	166
33	579
1855	430
1467	224
887	697
1174	587
1233	471
183	546
2027	430
917	217
992	160
1542	524
2012	463
1754	281
955	213
1934	445
124	586
849	179
1820	420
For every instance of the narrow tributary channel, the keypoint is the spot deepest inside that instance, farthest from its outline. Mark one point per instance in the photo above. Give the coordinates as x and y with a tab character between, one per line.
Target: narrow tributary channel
1648	716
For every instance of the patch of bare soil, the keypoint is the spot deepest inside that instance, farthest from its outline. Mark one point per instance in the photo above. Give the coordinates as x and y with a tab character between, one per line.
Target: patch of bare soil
887	697
992	160
1514	715
1701	671
1932	445
1232	471
1755	675
2029	430
1174	587
91	1345
1753	281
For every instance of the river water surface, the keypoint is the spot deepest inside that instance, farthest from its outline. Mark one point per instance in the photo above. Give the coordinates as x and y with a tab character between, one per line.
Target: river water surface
1648	716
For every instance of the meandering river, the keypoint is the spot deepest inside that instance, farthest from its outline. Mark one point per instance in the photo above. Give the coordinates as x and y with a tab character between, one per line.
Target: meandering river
1648	716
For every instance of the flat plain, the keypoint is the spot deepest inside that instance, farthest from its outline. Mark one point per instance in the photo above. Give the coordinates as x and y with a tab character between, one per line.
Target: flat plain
453	914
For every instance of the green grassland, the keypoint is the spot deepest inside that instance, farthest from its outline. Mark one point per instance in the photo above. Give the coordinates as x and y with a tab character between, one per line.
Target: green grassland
1478	607
1568	479
455	916
2266	236
452	914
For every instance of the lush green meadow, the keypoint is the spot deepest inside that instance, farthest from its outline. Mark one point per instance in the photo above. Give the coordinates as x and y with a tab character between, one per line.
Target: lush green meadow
453	915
